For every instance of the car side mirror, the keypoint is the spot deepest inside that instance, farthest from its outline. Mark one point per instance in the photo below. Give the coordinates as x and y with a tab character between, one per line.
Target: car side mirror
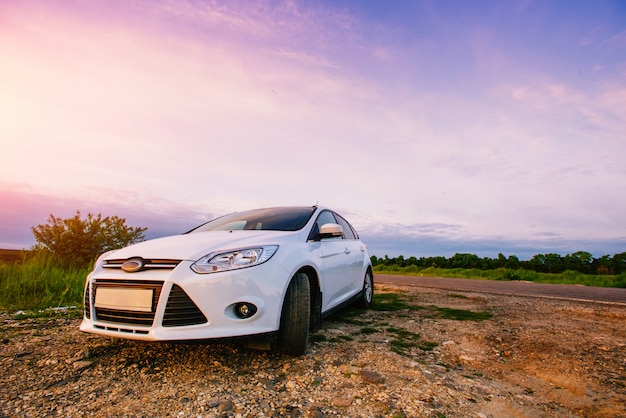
330	231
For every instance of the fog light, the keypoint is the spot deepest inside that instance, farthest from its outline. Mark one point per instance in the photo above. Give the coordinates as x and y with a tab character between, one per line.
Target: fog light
245	310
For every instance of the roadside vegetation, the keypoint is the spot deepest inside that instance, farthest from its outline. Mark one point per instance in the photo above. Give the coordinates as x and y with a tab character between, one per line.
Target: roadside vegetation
50	279
577	268
38	282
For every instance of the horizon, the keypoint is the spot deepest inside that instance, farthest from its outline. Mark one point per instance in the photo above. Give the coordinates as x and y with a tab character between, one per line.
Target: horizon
391	245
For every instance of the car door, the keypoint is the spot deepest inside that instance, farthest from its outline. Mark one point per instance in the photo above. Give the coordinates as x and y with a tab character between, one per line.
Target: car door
330	254
355	255
337	263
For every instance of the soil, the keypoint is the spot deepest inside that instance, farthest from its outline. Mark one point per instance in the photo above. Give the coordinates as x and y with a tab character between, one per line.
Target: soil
419	353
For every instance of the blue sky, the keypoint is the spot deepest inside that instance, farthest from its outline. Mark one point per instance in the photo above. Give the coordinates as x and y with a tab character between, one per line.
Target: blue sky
435	127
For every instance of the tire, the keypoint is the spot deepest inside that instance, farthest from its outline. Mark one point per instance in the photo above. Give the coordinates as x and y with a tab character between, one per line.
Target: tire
295	318
367	294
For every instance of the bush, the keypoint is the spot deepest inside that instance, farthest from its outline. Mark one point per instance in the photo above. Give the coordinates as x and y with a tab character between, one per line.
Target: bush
411	269
507	274
76	242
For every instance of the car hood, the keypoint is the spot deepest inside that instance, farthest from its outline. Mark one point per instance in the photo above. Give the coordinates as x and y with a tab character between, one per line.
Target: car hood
196	245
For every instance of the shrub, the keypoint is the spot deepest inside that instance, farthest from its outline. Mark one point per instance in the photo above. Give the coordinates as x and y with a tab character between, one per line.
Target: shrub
77	242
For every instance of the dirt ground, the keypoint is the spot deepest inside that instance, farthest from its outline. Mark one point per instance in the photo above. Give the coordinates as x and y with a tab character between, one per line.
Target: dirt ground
419	353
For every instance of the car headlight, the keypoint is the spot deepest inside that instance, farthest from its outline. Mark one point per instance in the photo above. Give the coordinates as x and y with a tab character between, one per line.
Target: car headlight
235	259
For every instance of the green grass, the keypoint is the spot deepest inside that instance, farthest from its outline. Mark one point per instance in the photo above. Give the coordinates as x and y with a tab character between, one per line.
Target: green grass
405	340
567	277
37	284
388	302
463	315
391	302
369	330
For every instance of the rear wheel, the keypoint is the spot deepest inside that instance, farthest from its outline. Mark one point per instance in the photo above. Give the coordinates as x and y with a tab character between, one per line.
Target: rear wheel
367	294
293	335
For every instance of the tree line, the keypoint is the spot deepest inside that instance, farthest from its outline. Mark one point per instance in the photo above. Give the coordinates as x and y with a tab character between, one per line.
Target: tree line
580	261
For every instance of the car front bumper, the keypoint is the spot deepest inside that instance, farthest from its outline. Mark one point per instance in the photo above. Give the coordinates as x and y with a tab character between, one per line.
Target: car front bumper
183	305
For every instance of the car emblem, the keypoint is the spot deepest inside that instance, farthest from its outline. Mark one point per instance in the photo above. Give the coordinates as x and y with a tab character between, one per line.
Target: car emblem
133	265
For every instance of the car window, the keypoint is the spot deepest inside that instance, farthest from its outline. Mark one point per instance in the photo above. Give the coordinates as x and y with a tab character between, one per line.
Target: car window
326	217
348	231
270	219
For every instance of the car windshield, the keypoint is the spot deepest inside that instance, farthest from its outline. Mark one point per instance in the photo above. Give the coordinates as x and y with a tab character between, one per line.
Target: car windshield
270	219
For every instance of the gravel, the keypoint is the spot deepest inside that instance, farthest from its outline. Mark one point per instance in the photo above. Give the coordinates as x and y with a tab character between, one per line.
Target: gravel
532	358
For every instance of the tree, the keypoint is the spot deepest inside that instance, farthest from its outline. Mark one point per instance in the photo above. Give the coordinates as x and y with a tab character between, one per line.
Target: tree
77	242
512	263
465	261
578	261
547	263
619	263
501	262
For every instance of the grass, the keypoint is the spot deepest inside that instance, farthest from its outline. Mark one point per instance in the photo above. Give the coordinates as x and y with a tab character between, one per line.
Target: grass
463	315
392	302
388	302
567	277
36	284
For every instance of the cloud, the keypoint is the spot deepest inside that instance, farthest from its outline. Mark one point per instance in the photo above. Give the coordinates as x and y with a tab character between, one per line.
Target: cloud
418	245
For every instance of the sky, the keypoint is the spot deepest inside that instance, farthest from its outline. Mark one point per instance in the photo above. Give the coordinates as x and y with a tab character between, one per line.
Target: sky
434	127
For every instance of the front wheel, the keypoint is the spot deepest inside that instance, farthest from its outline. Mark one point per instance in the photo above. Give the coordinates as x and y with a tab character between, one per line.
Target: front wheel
293	335
367	294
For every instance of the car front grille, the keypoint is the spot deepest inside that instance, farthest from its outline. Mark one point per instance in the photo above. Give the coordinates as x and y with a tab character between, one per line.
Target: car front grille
121	316
87	300
148	264
181	311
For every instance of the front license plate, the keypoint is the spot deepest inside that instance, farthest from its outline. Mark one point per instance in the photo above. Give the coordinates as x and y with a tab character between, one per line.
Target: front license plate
124	298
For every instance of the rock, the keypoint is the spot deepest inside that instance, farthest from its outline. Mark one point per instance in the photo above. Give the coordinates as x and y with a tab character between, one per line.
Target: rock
82	364
23	354
225	406
342	402
372	377
316	413
349	369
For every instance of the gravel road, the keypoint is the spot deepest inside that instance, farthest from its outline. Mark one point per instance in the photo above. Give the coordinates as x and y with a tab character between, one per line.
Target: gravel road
513	288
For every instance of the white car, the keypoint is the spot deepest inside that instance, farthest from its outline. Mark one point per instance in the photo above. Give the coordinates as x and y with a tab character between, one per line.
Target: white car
269	273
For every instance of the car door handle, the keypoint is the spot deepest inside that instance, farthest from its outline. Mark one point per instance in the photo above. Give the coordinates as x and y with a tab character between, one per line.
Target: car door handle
347	250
